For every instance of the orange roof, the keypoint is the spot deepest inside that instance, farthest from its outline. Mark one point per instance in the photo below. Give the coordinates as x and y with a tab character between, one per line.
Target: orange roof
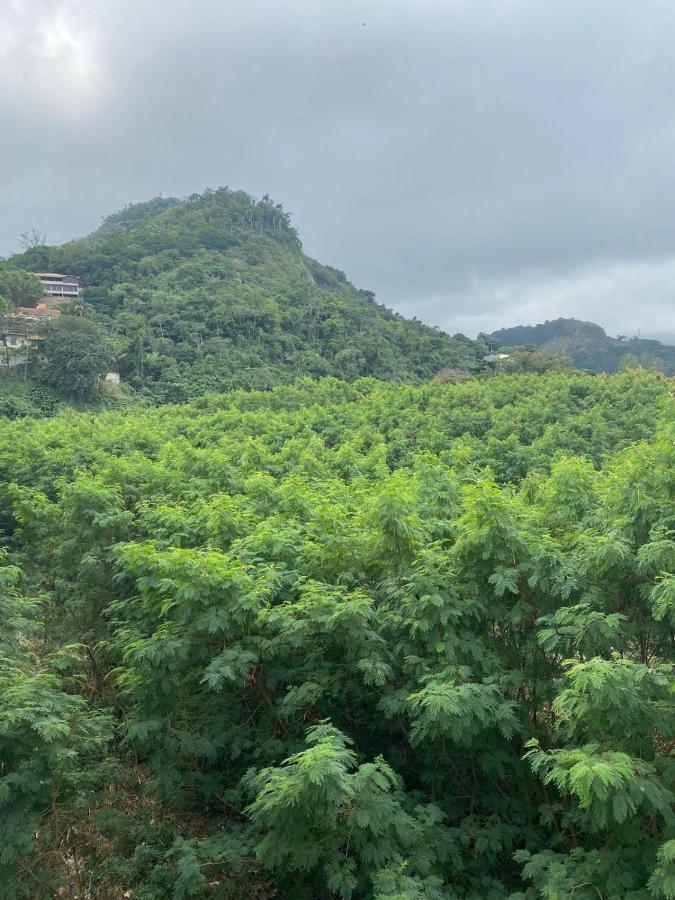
33	312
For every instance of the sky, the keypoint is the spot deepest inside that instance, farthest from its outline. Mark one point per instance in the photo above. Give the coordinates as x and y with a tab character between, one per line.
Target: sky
476	164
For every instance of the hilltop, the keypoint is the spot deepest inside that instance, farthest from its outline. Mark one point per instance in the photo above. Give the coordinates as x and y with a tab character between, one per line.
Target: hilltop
214	292
588	346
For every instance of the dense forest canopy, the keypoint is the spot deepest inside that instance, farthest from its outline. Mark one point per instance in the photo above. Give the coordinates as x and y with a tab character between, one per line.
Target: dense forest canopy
588	347
341	640
214	293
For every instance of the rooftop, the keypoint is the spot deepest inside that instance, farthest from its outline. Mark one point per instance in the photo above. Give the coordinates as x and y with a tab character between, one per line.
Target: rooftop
55	276
33	312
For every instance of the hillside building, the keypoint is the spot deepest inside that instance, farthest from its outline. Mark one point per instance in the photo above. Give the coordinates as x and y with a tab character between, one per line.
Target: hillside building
18	337
17	349
60	287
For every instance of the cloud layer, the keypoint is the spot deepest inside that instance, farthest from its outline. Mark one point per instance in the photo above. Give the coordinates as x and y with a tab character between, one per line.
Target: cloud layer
476	164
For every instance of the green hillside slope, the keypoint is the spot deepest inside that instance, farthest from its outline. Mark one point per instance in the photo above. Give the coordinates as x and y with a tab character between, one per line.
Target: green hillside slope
214	292
589	347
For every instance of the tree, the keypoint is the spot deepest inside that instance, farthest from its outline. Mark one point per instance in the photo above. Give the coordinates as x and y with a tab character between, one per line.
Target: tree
451	376
45	729
32	238
77	356
534	361
321	814
19	287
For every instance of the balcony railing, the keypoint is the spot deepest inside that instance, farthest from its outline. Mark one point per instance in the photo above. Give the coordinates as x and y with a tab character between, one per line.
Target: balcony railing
71	289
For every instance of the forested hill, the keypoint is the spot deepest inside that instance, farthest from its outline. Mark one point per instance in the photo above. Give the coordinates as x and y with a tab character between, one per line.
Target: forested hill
214	292
589	347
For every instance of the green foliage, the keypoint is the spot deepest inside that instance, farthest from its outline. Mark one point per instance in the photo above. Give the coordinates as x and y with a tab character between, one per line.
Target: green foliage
319	811
460	711
19	288
77	356
46	735
534	361
608	787
25	397
662	882
356	639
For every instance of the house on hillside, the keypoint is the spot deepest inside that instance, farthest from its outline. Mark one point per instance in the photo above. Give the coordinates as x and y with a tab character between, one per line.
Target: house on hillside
59	288
37	312
18	340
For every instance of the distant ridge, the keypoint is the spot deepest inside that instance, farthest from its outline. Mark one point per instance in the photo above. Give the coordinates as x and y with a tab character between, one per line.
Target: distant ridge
588	346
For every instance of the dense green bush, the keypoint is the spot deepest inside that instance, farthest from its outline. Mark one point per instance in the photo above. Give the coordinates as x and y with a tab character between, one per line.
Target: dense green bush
356	640
24	396
77	355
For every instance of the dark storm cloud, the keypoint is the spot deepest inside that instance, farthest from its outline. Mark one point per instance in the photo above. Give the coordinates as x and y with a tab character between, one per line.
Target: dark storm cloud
476	164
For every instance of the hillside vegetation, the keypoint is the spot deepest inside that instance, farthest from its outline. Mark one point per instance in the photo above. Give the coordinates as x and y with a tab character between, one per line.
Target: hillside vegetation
339	640
214	293
587	346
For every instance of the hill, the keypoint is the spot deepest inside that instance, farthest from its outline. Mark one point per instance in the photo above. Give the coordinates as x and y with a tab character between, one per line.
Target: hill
587	346
214	292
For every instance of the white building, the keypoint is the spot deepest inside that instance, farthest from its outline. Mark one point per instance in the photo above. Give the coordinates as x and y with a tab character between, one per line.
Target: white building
493	357
16	347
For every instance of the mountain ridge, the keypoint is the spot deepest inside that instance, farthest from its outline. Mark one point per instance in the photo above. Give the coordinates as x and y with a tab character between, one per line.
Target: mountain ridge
588	346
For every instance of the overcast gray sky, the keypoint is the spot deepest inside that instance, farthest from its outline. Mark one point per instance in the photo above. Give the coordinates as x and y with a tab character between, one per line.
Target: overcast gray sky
476	163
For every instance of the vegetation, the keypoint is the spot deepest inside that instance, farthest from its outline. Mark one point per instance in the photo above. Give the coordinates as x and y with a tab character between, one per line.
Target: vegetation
215	293
18	288
588	347
21	397
77	357
341	640
531	361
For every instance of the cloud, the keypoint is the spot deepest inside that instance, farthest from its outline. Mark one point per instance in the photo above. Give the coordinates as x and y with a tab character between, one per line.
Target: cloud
471	163
628	298
48	68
